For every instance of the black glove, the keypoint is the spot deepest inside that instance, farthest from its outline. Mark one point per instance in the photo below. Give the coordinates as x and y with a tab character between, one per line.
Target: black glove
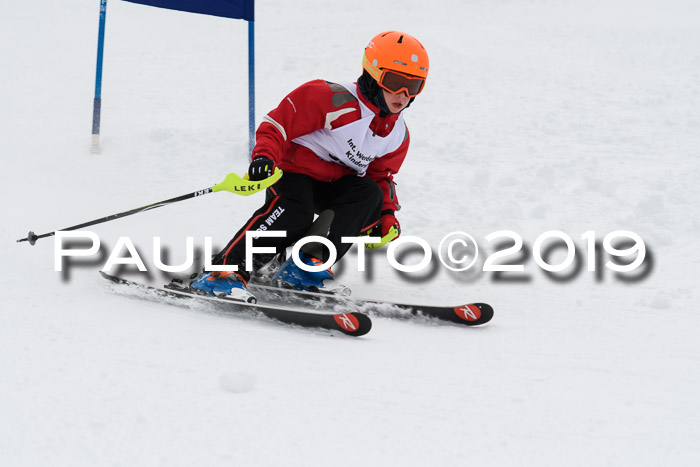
260	169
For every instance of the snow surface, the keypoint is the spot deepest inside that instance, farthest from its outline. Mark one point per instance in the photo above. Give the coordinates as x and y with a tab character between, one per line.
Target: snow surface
538	115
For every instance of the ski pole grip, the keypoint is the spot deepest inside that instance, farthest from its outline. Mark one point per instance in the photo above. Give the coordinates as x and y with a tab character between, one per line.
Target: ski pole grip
244	187
390	235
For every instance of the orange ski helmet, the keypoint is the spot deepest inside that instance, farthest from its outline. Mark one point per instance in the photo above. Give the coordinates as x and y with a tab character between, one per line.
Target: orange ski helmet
397	62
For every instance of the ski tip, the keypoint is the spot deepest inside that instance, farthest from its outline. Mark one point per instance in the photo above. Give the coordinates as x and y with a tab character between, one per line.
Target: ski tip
474	314
353	324
109	277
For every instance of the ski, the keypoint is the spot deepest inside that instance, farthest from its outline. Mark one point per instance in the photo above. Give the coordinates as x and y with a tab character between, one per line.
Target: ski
352	323
470	314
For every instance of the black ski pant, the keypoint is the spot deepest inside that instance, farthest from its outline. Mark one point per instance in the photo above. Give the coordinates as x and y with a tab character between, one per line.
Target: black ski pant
290	205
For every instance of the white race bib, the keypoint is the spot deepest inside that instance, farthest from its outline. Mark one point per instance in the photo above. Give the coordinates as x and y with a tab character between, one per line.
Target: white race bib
353	145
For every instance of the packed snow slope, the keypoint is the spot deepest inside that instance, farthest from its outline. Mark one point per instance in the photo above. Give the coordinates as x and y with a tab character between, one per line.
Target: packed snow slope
574	116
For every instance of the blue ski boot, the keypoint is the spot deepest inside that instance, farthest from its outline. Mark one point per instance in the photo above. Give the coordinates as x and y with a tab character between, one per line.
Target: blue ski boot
224	284
320	281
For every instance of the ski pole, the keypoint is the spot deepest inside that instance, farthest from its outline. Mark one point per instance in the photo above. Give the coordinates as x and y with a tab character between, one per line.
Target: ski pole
232	182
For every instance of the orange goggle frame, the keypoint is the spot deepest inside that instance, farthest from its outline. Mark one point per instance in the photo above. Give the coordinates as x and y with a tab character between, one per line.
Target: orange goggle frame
396	82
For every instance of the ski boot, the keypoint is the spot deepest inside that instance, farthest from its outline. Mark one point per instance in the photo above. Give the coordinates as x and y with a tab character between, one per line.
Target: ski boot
291	275
223	284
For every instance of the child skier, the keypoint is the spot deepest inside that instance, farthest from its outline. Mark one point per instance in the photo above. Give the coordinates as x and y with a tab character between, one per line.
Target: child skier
338	145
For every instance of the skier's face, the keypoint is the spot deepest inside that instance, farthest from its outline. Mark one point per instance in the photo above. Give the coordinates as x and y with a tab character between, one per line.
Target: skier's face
396	102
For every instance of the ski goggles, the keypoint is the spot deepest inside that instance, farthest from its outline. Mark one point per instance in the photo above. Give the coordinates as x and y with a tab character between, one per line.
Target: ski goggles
396	82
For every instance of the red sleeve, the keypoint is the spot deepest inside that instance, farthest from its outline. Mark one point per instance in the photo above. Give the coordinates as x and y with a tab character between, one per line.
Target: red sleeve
382	171
301	112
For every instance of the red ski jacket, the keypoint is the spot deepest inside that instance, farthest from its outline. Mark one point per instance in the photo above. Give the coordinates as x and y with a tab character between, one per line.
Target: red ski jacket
313	106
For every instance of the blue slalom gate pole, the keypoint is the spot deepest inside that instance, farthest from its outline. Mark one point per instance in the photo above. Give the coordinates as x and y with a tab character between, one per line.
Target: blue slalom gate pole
251	87
97	103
